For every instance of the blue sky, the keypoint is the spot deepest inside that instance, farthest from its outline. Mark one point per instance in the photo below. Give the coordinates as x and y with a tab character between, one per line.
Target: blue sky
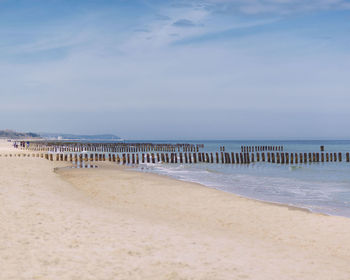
211	69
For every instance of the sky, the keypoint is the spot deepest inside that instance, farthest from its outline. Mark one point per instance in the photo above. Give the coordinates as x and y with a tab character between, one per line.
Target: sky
201	69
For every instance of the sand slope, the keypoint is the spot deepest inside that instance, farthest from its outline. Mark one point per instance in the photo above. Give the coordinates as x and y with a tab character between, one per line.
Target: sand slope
112	223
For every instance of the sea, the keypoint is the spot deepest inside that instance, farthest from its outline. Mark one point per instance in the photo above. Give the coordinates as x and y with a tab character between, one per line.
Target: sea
319	187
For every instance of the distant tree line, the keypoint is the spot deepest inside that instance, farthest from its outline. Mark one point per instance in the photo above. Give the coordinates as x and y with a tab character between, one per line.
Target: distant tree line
16	135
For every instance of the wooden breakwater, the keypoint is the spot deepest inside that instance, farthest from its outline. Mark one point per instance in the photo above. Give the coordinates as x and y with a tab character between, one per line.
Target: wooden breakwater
260	148
84	154
191	158
51	146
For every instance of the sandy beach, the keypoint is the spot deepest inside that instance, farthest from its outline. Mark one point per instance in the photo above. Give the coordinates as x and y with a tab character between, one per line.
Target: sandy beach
115	223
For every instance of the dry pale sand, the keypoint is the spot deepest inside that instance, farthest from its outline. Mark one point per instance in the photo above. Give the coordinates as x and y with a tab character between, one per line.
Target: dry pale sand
110	223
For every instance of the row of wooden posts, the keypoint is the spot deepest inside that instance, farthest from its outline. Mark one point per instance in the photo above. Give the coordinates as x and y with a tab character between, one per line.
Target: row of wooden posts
223	157
108	147
249	149
130	147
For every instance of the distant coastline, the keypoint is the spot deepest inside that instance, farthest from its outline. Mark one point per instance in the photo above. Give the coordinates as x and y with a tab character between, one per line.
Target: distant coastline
76	137
11	134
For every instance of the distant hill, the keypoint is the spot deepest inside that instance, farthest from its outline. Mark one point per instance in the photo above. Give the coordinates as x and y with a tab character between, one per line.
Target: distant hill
65	136
10	134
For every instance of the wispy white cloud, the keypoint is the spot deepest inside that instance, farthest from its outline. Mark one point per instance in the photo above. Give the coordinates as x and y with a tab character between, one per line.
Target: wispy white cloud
203	17
184	23
282	7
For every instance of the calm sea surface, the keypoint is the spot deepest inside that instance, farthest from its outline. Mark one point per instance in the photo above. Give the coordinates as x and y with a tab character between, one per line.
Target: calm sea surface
320	187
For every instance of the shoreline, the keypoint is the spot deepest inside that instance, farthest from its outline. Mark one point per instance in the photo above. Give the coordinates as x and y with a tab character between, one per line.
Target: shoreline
134	169
289	206
280	204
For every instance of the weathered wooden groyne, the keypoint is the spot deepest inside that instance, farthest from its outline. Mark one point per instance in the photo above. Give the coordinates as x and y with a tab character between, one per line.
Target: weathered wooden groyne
107	147
84	154
223	157
261	148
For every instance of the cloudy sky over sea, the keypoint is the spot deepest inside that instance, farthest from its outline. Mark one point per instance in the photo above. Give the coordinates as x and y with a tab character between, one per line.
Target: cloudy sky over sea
213	69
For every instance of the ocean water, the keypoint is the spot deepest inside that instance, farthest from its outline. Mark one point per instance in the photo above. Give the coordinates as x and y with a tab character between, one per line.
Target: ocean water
319	187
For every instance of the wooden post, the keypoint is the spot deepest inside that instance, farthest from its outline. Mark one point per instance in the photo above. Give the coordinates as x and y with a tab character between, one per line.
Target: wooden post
340	157
282	158
194	158
278	157
322	157
268	157
273	158
347	157
257	156
263	156
217	157
237	158
227	158
128	158
327	157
